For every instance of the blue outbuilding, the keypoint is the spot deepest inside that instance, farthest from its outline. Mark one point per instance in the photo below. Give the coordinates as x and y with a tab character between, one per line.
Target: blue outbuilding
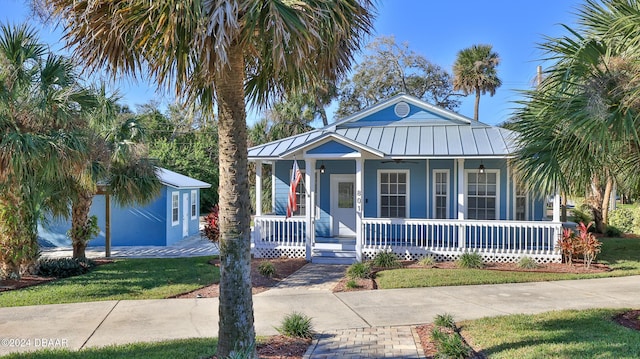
172	216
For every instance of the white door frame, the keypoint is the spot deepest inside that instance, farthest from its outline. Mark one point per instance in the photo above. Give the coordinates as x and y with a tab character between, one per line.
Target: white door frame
186	209
334	179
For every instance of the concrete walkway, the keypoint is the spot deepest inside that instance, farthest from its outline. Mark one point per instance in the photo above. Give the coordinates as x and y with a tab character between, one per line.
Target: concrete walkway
351	324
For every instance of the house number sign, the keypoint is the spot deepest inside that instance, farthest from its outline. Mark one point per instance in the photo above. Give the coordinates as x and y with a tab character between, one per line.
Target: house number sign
359	201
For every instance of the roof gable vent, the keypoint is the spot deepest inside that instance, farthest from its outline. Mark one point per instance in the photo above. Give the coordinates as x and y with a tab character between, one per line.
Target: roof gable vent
402	109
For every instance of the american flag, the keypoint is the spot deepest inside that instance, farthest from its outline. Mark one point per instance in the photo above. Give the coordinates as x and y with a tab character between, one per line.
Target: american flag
296	175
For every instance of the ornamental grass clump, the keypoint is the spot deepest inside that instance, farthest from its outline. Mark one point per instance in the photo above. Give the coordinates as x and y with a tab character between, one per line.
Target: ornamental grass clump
527	263
470	261
296	325
359	270
447	339
427	262
386	259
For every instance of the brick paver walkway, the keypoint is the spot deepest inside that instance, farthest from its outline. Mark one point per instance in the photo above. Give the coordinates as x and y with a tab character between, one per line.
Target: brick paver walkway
380	342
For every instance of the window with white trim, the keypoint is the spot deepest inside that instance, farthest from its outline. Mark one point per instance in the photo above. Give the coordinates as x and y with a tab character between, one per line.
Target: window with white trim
301	196
393	192
441	194
175	208
194	209
521	203
482	195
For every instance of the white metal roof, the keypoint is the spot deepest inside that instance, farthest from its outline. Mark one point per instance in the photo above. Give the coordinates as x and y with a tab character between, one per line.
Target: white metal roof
429	133
177	180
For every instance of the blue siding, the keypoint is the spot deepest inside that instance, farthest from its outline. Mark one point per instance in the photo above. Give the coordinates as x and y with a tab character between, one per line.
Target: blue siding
332	147
417	184
148	225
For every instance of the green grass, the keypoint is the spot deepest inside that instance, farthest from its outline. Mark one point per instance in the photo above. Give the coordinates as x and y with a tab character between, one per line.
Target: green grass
184	348
563	334
123	279
622	255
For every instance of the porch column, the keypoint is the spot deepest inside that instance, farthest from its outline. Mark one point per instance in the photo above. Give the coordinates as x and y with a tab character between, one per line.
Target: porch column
461	191
258	188
359	231
556	207
310	185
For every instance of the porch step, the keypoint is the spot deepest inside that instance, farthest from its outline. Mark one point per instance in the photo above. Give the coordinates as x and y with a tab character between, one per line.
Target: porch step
328	256
336	246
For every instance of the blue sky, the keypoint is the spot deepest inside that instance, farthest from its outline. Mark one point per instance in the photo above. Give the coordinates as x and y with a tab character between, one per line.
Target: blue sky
434	29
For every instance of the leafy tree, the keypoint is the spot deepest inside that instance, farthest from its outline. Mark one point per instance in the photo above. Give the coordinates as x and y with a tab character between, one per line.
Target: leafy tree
227	52
579	128
475	72
41	106
182	141
116	157
389	69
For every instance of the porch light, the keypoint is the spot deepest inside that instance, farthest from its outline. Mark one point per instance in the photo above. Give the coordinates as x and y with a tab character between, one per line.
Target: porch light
322	167
481	168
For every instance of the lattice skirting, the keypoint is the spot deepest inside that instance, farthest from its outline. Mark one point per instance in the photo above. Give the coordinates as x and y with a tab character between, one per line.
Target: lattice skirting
279	252
444	255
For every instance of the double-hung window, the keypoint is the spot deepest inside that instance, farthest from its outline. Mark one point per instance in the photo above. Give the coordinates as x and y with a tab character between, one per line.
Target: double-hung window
521	203
175	208
393	194
440	194
194	209
301	197
482	195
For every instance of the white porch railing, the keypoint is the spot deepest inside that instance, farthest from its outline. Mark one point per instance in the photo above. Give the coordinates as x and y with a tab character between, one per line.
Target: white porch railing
496	241
445	240
277	236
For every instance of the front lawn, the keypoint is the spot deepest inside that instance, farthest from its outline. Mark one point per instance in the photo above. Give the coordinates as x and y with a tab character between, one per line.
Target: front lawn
564	334
185	348
620	254
154	278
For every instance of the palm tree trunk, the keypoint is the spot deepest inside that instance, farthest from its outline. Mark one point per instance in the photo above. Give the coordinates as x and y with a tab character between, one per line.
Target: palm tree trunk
476	107
236	330
80	231
606	200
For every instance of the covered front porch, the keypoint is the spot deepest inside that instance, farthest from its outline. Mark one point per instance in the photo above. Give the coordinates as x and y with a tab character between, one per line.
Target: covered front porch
339	228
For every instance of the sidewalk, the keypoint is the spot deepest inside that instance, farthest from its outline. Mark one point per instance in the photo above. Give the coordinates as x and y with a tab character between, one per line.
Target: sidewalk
334	315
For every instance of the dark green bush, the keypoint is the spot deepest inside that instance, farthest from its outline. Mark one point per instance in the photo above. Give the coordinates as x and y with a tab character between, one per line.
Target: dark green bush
63	267
613	231
267	269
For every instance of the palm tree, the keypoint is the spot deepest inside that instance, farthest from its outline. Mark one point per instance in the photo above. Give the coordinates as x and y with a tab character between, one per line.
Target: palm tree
41	105
229	53
579	129
475	72
117	159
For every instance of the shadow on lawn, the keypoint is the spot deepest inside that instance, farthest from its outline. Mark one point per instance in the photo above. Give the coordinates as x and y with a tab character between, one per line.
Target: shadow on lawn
567	334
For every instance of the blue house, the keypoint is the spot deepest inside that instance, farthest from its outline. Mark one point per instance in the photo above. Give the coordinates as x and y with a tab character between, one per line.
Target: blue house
402	176
172	216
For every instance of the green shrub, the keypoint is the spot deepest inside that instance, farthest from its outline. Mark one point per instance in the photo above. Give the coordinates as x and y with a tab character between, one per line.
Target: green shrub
428	262
613	231
351	284
267	269
581	214
449	345
447	338
527	263
386	259
296	325
445	321
621	219
63	267
359	270
470	260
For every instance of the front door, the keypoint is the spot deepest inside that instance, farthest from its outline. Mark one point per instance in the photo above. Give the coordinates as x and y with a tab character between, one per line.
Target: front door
185	215
343	205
